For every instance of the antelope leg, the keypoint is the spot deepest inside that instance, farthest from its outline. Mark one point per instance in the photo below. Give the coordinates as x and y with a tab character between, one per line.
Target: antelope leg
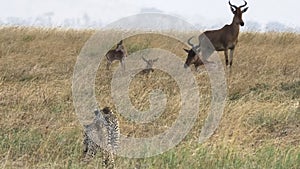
108	65
226	56
231	56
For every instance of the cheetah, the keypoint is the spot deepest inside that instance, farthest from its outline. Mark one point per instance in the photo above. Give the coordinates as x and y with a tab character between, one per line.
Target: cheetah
102	135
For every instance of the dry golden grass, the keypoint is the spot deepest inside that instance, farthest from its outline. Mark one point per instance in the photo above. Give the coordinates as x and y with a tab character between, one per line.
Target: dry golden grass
39	127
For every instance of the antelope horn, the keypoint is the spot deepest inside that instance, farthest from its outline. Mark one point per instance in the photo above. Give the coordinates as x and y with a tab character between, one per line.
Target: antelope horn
244	4
233	5
190	43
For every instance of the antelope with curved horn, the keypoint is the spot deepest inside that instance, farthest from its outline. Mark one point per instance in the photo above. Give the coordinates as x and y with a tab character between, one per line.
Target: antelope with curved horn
219	40
193	57
150	63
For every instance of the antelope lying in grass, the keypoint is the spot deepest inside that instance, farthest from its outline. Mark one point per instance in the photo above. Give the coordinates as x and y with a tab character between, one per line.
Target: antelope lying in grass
116	54
218	40
149	66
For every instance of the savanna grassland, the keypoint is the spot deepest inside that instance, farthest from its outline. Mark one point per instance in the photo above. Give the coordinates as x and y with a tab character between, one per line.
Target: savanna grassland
39	127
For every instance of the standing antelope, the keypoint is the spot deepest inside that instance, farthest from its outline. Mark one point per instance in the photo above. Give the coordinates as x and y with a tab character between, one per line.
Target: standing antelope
218	40
116	54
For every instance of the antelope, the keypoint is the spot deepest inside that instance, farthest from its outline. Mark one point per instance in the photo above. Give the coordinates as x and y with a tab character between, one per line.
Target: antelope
219	40
150	63
116	54
193	57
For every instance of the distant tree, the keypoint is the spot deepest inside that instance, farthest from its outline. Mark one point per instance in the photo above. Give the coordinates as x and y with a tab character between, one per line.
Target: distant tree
276	27
69	22
253	26
13	21
48	18
1	22
86	20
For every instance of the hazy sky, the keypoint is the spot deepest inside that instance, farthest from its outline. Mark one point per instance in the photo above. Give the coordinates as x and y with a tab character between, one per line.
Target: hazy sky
194	11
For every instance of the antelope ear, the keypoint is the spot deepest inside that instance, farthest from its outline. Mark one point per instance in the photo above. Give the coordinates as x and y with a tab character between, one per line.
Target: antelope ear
244	10
120	43
187	51
232	10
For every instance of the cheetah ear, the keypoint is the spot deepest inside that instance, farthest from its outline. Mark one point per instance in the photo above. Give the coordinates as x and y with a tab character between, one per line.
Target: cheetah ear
96	112
106	110
87	127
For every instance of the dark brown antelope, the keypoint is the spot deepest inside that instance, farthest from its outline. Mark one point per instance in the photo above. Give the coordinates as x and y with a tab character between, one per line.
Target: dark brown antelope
219	40
116	54
193	58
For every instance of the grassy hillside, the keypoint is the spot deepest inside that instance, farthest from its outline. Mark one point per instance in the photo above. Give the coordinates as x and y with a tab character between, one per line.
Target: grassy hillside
39	127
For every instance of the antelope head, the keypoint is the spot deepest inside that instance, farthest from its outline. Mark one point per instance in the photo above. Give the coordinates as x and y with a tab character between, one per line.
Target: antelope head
192	55
120	47
238	11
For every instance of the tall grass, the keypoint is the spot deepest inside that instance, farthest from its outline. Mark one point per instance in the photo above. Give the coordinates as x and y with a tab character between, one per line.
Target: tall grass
39	127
